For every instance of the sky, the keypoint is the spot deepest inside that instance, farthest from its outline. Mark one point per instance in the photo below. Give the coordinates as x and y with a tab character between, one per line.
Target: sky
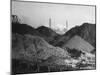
37	14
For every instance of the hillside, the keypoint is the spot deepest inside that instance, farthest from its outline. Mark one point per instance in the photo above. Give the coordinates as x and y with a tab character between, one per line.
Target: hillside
29	47
48	34
33	50
76	42
33	53
23	29
86	31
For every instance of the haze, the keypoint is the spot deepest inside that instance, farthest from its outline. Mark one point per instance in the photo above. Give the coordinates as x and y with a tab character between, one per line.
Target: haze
37	14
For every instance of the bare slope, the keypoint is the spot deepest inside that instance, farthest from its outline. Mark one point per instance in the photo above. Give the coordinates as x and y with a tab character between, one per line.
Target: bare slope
78	43
87	31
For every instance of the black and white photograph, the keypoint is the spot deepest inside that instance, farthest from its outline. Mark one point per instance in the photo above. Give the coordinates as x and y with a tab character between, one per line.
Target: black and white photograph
52	37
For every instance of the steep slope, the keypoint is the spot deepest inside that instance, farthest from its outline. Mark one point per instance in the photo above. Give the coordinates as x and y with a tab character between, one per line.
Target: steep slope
32	54
86	31
45	31
23	29
29	51
33	47
78	43
48	34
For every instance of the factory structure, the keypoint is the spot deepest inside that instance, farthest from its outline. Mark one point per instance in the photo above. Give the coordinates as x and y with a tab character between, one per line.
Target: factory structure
58	30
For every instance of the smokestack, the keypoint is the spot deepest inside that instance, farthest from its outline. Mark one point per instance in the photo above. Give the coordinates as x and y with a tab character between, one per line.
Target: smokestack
66	25
50	22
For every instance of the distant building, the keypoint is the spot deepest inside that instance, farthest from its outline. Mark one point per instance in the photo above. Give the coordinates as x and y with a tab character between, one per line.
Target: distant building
58	29
15	19
78	43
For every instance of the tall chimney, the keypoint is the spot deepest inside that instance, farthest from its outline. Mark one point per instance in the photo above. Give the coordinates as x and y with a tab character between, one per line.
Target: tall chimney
50	22
66	25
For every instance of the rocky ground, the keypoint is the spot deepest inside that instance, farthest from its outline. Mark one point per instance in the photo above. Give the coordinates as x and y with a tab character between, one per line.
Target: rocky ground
43	50
32	54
